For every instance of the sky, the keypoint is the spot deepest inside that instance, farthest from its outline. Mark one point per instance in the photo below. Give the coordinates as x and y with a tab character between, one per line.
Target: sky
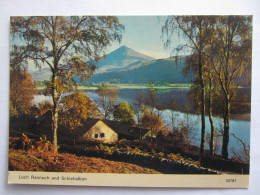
143	34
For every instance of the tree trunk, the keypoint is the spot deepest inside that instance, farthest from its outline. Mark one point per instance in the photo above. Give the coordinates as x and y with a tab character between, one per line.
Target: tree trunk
226	130
202	144
55	127
212	135
55	115
55	97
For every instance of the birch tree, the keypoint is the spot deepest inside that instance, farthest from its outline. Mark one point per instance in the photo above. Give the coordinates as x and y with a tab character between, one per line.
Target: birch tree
230	55
195	31
69	46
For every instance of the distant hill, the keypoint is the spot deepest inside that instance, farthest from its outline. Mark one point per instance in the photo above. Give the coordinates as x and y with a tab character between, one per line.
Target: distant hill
162	70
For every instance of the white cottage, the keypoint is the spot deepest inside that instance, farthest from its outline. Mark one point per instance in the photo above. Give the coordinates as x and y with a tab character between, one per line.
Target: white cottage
100	132
108	131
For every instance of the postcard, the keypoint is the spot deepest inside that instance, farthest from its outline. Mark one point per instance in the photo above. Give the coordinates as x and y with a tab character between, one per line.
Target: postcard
137	101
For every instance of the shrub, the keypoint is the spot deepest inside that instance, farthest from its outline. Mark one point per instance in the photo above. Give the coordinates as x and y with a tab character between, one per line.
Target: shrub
44	145
123	142
13	141
27	142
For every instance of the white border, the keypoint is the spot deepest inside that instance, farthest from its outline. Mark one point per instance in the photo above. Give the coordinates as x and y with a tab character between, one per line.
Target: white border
125	7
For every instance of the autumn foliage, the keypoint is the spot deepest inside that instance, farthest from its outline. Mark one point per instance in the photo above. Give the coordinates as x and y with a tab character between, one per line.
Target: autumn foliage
124	113
75	108
22	90
152	122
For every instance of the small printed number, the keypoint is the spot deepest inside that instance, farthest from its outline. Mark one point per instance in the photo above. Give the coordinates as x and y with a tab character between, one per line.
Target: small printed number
231	180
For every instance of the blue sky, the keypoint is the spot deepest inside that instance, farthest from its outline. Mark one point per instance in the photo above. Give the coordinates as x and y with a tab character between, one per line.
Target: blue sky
143	34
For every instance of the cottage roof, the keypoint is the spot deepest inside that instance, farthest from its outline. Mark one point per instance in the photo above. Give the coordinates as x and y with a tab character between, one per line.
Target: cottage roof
125	128
90	122
45	117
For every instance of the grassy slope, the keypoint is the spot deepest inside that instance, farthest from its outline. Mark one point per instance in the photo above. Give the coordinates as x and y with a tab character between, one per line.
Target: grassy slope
20	160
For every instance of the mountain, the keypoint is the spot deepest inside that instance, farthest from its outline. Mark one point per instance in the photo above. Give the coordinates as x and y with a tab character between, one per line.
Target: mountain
162	70
120	58
125	65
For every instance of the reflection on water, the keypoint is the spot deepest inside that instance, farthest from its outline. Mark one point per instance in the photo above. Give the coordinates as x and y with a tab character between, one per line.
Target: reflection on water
238	127
164	96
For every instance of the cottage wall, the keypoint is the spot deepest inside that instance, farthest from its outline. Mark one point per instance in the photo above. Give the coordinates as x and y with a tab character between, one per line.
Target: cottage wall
100	132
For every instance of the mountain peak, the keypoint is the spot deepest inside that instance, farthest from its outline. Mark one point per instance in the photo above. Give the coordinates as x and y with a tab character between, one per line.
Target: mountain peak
121	50
122	57
123	47
129	52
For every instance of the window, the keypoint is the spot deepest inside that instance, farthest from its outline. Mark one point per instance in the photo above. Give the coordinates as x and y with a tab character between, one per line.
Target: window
99	135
